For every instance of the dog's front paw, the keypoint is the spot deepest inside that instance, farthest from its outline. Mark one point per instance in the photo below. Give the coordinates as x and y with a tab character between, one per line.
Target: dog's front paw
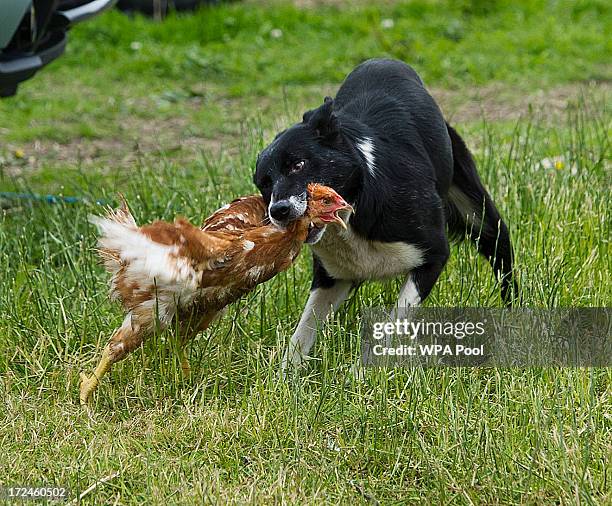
291	364
358	372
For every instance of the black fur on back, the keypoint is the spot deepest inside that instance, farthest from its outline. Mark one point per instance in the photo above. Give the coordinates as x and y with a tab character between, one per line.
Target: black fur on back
404	195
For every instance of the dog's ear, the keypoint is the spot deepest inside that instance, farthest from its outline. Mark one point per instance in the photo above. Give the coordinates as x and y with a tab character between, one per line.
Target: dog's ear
324	120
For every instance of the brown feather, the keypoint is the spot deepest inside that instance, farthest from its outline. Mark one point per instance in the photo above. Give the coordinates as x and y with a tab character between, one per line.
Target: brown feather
173	269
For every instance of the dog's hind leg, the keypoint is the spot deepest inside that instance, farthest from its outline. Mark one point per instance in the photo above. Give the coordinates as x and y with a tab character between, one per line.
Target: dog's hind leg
416	288
471	210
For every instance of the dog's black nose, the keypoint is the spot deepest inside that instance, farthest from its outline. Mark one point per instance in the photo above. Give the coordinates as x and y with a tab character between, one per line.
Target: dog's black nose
280	210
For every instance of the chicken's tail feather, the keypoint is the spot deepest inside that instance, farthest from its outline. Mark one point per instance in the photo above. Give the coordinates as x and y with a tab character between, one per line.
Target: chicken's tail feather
141	268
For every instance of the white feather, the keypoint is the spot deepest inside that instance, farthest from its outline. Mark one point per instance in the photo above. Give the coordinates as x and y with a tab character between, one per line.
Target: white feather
255	272
149	263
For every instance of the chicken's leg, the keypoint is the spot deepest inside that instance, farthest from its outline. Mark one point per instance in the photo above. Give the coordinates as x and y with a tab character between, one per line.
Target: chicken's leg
188	329
88	385
125	339
185	367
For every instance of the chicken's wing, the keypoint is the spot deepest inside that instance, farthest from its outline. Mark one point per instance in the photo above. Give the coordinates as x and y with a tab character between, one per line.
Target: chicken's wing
239	215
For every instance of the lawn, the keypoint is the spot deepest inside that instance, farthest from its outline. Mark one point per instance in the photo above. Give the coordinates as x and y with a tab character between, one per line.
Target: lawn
173	115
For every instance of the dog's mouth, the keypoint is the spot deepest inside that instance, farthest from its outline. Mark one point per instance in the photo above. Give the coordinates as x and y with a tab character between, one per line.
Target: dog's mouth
315	232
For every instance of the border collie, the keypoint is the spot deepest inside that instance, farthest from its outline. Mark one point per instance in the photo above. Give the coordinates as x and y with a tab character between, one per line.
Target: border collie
383	145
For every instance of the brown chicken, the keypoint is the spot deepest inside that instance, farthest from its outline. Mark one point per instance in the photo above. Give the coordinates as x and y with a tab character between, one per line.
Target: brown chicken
176	270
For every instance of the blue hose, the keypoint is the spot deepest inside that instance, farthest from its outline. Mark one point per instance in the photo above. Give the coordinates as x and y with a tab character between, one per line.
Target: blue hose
49	199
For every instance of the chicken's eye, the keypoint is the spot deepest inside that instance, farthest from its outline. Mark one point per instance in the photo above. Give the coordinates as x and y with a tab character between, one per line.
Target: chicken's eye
297	166
327	201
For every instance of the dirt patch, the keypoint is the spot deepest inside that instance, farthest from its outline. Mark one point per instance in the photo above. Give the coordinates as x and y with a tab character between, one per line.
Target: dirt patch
138	138
174	136
497	102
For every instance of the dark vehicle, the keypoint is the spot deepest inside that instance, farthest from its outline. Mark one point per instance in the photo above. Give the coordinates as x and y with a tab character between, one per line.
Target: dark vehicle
33	33
159	8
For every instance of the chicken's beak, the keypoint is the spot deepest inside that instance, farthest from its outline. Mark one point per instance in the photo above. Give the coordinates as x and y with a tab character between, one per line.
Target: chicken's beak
346	210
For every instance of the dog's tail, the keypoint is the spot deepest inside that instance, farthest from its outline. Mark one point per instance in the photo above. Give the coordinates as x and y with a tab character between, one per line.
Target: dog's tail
471	212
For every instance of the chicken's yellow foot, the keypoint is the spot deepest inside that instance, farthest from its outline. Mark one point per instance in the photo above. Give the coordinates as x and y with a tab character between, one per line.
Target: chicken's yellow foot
88	385
185	367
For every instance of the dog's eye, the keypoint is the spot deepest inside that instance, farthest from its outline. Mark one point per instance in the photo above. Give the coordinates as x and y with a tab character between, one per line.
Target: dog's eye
297	166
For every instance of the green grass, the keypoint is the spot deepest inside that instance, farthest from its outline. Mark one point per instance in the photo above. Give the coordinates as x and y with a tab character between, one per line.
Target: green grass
118	70
234	432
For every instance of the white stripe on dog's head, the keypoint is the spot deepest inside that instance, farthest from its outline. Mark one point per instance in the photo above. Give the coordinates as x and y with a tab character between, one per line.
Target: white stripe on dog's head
299	203
366	148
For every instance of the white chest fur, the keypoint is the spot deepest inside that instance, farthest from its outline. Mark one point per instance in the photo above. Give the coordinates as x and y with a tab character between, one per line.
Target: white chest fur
345	255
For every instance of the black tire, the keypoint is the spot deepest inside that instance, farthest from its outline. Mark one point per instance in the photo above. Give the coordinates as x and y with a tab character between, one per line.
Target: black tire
8	90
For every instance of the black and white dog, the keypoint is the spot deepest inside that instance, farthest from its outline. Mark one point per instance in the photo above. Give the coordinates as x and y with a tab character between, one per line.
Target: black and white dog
383	145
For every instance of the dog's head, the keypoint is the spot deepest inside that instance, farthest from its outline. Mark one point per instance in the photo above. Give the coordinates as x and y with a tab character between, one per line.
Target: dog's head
313	151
